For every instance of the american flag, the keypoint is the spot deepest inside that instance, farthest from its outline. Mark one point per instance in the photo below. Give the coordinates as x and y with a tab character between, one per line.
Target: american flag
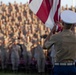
48	11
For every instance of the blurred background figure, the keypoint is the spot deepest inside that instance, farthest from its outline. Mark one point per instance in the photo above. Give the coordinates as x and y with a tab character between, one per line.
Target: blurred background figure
39	56
3	53
15	56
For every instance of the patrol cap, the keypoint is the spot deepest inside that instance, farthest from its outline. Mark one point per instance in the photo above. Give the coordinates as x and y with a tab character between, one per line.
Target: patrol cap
68	17
34	41
1	38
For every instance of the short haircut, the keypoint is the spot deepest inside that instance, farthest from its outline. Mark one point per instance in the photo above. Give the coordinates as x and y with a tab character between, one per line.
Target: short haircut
67	25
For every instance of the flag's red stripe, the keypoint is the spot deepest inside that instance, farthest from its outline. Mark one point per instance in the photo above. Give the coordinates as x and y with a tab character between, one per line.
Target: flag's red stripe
56	16
59	8
30	1
44	10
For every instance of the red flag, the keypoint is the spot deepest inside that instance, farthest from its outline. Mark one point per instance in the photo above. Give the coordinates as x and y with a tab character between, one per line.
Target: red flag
48	11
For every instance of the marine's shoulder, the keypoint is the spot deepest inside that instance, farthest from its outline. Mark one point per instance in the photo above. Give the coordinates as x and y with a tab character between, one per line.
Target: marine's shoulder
57	34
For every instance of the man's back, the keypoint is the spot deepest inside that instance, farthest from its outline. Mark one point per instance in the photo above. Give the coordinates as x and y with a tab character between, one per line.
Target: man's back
65	45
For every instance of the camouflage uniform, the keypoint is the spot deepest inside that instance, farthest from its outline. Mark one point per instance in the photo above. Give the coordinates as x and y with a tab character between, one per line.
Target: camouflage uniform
3	56
15	57
40	58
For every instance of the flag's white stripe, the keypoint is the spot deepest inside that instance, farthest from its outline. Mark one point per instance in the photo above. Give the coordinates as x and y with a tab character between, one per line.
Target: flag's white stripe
35	5
59	13
50	21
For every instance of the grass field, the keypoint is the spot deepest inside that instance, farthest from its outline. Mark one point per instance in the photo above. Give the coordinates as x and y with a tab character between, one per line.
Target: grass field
17	73
21	74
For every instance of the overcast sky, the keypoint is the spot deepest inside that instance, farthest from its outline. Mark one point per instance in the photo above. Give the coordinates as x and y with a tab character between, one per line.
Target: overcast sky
12	1
63	2
68	2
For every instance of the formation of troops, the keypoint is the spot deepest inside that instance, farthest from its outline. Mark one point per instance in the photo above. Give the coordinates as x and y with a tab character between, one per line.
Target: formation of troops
22	36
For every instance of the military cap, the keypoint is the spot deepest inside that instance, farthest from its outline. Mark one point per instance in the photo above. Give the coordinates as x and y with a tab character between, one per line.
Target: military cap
68	17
